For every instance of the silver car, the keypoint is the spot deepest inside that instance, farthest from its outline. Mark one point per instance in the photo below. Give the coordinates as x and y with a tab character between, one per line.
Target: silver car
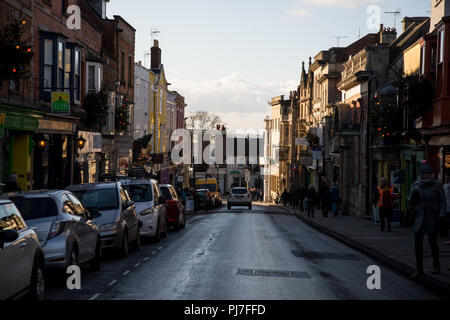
150	205
64	227
21	256
119	223
239	196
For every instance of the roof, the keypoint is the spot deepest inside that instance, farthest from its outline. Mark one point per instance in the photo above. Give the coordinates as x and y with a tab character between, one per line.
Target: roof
4	201
35	194
87	186
165	186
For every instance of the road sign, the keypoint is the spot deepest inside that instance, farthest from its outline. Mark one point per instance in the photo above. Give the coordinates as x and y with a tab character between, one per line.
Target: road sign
60	103
306	161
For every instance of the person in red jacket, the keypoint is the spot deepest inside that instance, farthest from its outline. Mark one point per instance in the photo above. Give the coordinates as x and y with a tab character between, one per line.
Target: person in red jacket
385	204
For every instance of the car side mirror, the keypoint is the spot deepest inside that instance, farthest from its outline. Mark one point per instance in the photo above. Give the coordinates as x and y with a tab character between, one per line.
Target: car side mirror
161	200
127	204
94	214
8	236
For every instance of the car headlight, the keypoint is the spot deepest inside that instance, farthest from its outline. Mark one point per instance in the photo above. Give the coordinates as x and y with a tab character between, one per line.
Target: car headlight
109	227
146	212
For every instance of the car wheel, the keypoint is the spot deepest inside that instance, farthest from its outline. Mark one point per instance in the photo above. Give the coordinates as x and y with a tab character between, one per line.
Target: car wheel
96	262
73	259
249	207
184	221
228	207
37	280
124	247
178	226
157	236
164	233
137	242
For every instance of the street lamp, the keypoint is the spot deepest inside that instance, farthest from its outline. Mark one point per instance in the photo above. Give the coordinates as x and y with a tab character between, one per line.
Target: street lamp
42	143
80	142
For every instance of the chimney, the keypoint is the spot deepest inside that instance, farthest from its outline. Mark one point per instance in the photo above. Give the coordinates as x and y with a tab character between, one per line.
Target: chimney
155	55
387	35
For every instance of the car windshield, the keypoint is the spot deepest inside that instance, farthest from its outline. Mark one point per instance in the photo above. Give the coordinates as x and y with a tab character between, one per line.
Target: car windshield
200	192
210	187
36	208
140	192
166	193
239	191
99	199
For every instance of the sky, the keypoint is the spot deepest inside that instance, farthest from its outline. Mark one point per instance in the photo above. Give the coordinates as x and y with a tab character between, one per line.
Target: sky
231	57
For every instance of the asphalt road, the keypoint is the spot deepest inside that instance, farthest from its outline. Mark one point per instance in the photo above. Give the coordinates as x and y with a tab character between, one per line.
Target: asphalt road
260	254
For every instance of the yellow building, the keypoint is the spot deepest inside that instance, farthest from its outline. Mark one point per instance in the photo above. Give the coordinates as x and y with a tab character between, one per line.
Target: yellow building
158	102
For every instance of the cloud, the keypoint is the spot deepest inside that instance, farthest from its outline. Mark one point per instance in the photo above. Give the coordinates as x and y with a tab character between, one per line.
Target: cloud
338	3
240	103
299	13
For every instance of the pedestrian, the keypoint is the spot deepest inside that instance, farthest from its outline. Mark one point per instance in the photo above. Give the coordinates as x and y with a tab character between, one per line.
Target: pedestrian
428	199
335	199
385	204
285	197
303	191
324	196
311	196
296	198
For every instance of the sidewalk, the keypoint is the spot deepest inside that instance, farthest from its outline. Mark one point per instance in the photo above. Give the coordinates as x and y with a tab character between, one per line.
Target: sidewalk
394	249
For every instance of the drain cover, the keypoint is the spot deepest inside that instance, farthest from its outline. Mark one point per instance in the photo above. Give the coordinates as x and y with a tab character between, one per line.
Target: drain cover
273	273
323	255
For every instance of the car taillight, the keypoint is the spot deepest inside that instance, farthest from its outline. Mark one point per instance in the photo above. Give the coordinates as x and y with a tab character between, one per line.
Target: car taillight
56	229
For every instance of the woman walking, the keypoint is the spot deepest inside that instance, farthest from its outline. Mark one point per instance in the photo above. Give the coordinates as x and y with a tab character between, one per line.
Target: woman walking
311	196
428	199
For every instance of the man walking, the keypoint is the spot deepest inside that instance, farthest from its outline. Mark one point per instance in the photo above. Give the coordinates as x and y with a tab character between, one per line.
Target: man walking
385	204
428	199
311	196
324	195
335	199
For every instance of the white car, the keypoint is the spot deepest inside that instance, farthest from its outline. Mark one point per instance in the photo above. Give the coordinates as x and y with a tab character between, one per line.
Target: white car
239	196
150	206
21	256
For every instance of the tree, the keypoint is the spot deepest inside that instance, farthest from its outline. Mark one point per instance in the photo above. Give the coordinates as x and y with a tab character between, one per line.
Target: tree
203	120
15	54
122	117
96	106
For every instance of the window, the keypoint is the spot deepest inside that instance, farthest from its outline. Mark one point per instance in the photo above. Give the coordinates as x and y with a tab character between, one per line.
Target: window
130	68
36	208
79	209
122	66
48	64
94	76
441	45
422	60
60	71
67	70
91	79
10	218
77	68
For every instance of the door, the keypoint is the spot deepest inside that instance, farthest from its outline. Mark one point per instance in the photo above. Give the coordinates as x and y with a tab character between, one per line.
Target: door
130	215
88	234
16	258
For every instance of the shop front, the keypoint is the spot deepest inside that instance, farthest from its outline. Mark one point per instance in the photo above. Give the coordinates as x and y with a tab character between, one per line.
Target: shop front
17	141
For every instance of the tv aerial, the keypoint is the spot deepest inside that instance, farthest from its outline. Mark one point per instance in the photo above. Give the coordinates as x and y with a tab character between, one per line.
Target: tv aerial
395	13
338	38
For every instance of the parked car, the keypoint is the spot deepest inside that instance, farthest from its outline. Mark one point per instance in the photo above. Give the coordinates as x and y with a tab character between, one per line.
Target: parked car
176	216
63	226
150	206
21	256
203	199
213	187
119	223
239	196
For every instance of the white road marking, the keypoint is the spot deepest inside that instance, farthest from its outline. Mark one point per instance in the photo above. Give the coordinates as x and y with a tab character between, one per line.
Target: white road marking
112	283
146	258
160	248
95	296
126	272
137	264
154	252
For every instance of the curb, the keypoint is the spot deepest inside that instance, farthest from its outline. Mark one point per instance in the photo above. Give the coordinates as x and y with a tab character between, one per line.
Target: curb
429	281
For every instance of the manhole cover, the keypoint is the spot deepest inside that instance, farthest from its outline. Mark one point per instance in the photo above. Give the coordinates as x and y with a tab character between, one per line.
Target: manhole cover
273	273
323	255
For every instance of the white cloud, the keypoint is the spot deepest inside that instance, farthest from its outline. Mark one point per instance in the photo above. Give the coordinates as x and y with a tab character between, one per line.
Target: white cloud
240	103
338	3
299	13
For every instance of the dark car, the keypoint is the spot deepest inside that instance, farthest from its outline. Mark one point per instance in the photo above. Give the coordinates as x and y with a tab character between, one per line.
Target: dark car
175	214
203	199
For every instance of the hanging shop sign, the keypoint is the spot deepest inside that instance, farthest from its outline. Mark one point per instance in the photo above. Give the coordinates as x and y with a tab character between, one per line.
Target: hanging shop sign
60	103
306	161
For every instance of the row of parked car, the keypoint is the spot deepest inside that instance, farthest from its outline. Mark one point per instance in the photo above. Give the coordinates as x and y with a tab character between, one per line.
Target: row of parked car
55	229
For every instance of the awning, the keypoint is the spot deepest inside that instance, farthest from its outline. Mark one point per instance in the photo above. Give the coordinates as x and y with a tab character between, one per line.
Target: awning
439	141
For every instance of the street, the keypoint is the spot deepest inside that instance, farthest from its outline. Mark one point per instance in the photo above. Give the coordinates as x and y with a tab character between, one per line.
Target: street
261	254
